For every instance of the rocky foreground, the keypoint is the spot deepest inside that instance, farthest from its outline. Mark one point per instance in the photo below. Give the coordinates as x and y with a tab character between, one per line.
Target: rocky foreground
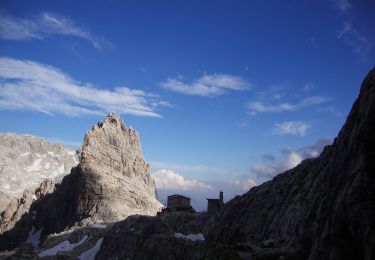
322	209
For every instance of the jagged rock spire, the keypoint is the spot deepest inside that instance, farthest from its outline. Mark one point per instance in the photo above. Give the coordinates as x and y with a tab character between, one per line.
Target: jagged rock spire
115	180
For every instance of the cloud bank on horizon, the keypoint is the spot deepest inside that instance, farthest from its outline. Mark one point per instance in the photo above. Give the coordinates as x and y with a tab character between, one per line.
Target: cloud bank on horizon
169	182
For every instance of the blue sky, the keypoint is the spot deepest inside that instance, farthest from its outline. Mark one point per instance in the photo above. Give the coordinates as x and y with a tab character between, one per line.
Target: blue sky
225	94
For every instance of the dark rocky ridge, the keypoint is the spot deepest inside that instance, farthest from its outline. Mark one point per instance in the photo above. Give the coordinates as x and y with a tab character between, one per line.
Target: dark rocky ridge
325	207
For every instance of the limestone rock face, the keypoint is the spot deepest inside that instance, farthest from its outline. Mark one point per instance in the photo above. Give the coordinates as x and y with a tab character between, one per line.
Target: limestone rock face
29	168
26	161
114	180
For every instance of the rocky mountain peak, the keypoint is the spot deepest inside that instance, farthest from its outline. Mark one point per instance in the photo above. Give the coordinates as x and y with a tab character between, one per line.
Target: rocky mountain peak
111	160
112	142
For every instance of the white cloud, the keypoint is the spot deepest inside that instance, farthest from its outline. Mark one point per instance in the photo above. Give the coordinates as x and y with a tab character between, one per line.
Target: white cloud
245	185
207	85
299	128
262	107
168	179
44	25
28	85
289	159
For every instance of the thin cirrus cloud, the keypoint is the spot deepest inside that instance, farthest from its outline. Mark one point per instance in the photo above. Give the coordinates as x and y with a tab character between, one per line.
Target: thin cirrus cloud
45	25
354	39
342	5
299	128
207	85
168	179
29	85
348	33
255	107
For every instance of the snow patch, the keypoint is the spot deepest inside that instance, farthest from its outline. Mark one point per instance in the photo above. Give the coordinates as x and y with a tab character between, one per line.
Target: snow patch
98	226
24	154
192	237
34	197
34	237
90	254
64	246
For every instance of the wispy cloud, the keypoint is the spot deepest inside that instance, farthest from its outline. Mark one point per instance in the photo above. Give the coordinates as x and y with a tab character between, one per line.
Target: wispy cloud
342	5
34	86
44	25
262	107
299	128
288	159
168	179
348	33
309	86
207	85
243	124
354	39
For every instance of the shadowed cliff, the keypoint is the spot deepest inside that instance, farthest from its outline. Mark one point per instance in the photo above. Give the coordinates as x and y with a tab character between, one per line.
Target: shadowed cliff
325	207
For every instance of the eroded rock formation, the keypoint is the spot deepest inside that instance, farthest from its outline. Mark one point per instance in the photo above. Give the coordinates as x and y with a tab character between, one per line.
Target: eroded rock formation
114	180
